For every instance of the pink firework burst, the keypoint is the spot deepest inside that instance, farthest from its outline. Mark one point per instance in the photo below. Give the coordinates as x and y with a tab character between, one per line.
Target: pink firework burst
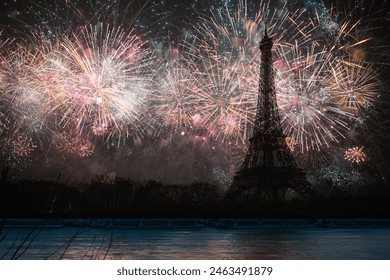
355	155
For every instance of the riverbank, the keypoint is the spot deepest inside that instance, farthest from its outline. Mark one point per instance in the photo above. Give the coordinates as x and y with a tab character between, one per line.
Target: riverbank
154	200
145	223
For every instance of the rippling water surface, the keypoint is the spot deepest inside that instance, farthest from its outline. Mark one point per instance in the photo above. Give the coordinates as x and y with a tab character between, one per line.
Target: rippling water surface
75	242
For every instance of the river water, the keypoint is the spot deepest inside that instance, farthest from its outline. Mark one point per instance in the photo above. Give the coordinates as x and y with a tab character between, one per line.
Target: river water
79	242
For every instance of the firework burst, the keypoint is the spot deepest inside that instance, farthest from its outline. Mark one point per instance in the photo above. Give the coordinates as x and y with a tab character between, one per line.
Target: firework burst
354	87
355	155
308	114
22	146
22	96
174	102
221	98
73	144
97	80
107	78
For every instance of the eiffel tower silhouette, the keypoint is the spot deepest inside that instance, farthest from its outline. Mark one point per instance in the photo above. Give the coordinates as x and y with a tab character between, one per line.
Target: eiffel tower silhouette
269	168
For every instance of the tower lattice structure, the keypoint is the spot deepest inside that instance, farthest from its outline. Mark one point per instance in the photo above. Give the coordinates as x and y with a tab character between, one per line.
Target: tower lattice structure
269	168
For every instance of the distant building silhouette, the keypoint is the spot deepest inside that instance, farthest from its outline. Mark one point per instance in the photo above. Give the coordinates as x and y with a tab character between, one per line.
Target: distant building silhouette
269	168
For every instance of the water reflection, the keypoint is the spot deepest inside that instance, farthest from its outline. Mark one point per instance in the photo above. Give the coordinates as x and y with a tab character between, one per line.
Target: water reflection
206	243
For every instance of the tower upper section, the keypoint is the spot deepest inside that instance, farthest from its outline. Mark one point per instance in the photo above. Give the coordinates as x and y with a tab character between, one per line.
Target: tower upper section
267	117
266	42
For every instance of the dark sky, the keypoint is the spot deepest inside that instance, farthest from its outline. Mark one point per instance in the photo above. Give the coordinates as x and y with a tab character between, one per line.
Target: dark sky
173	15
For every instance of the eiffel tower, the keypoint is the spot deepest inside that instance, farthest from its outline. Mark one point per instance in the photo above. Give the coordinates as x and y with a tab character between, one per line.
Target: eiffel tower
269	168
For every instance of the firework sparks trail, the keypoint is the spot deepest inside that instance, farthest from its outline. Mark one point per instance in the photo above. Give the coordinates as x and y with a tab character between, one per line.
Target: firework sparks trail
75	75
23	146
354	87
105	80
221	98
73	144
174	103
96	80
309	116
22	96
342	179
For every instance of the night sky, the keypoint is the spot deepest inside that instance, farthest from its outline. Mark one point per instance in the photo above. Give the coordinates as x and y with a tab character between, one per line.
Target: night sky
332	80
